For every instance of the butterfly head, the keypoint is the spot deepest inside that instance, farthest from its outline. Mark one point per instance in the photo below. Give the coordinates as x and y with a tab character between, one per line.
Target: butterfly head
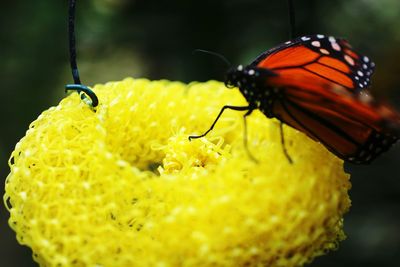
246	77
233	77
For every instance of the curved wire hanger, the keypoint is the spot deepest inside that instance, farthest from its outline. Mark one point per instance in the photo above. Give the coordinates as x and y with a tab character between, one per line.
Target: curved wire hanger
85	92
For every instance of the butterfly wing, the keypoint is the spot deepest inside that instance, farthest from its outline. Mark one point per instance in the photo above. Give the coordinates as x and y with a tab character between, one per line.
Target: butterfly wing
354	127
320	56
322	84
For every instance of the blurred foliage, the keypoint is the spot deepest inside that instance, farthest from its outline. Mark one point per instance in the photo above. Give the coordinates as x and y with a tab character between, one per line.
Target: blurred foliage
155	39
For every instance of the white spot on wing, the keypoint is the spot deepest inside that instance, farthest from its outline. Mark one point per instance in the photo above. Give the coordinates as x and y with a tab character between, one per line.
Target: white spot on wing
349	59
305	38
320	36
366	59
336	46
251	72
316	44
324	51
360	73
332	39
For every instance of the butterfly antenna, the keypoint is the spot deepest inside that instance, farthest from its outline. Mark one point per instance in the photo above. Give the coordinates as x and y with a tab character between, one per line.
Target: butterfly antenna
85	92
292	20
220	56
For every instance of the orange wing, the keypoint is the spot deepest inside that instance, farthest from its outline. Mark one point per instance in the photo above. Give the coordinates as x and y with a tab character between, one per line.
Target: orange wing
319	57
322	92
352	125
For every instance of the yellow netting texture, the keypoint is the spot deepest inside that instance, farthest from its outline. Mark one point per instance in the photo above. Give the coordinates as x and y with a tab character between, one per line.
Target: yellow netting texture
123	186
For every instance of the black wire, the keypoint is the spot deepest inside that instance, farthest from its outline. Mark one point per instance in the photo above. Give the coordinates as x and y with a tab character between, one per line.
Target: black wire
292	20
85	92
72	47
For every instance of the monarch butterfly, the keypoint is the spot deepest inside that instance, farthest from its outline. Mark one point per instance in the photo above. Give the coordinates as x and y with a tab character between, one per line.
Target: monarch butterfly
318	85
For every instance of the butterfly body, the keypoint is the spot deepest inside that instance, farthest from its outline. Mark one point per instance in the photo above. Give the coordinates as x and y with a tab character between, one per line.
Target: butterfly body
252	82
318	85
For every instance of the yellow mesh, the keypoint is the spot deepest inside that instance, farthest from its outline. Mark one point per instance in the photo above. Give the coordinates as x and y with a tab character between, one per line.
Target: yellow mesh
123	186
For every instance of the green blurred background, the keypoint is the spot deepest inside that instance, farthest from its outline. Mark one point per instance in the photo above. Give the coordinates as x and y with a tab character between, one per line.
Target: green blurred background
155	39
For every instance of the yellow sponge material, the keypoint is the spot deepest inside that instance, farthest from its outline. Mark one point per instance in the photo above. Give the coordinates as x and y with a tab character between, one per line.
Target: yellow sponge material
123	186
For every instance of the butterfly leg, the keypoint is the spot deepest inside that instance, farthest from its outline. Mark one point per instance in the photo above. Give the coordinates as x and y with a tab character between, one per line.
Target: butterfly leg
216	119
283	143
245	135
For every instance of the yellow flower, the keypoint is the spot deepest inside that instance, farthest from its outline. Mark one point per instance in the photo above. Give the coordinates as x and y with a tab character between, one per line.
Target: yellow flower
123	186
